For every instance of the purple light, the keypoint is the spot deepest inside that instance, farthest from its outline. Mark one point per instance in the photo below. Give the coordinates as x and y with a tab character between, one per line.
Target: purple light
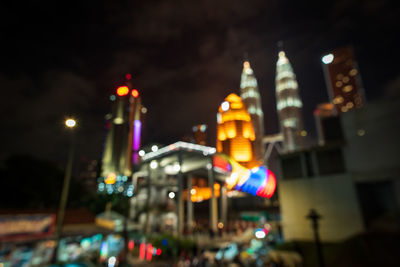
137	126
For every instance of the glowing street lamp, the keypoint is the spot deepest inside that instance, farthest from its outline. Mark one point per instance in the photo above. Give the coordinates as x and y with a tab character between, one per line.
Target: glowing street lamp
70	123
327	59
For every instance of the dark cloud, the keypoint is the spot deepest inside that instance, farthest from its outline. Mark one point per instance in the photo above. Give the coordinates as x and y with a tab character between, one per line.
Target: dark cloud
185	57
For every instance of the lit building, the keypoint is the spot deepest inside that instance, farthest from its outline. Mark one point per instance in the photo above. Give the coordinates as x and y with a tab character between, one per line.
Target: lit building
122	143
251	97
328	125
289	105
343	79
235	133
351	187
200	134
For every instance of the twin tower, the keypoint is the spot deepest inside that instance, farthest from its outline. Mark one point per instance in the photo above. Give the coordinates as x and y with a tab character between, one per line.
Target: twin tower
240	129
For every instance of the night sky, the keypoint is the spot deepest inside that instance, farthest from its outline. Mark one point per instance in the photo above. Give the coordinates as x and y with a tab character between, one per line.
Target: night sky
59	58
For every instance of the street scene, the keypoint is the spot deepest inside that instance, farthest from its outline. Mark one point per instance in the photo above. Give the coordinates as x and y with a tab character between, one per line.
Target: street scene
200	134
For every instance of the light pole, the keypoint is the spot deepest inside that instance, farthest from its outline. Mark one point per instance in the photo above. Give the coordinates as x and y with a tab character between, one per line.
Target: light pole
70	124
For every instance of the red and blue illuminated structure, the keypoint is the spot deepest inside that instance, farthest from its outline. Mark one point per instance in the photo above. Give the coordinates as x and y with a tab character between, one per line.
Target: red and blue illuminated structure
258	181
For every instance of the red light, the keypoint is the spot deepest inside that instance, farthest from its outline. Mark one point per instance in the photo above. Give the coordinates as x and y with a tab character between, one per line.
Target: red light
128	76
149	253
131	245
158	252
122	90
135	93
142	251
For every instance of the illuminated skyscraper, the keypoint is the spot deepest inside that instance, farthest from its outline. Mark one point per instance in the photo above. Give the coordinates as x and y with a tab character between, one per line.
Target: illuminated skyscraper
343	79
235	133
122	143
289	105
251	97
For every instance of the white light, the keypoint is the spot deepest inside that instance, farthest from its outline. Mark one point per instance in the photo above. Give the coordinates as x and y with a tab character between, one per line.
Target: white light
142	153
225	105
153	164
177	146
260	234
154	148
327	59
193	191
111	261
171	195
177	167
144	110
70	123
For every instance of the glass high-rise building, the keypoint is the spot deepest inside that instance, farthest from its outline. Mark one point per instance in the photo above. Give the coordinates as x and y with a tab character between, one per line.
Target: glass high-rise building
251	97
343	79
289	105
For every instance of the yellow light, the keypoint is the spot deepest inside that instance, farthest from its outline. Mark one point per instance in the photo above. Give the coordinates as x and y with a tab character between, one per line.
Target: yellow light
347	88
303	133
339	84
220	225
349	105
346	79
353	72
111	178
70	123
338	100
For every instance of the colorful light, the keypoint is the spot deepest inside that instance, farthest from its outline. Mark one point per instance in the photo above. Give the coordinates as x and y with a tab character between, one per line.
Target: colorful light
142	251
259	181
111	178
137	127
131	244
149	253
122	90
135	93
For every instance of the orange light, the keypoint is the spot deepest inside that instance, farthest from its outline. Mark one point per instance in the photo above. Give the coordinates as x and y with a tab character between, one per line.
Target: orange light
111	178
122	90
135	93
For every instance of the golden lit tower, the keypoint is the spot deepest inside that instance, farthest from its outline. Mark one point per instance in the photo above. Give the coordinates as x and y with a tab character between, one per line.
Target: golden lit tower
289	105
251	97
343	79
235	133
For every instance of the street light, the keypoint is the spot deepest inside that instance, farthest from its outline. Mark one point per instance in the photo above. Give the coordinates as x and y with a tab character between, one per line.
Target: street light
71	124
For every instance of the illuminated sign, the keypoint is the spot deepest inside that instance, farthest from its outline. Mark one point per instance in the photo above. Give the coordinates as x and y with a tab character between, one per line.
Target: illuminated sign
23	227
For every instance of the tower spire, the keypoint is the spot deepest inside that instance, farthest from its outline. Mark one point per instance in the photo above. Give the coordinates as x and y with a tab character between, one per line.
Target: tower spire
289	105
251	97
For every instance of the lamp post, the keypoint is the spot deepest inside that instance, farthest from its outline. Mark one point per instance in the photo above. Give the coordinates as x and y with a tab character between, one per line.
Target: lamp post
315	217
70	124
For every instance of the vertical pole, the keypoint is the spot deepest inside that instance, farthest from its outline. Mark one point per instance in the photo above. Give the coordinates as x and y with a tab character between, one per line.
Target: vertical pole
147	223
179	196
189	206
315	217
224	205
64	195
213	203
